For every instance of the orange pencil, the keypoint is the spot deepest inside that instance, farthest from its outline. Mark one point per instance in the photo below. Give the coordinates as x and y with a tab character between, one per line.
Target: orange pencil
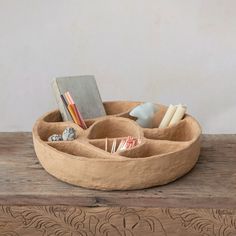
78	114
73	109
72	113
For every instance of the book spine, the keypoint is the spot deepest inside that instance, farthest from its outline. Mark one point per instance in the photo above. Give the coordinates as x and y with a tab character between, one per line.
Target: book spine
64	113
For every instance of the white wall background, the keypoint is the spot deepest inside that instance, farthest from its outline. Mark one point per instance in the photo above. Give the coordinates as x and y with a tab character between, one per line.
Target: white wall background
157	50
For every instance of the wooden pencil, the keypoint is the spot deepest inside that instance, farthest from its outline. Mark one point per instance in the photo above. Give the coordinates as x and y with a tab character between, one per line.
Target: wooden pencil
66	105
78	114
71	107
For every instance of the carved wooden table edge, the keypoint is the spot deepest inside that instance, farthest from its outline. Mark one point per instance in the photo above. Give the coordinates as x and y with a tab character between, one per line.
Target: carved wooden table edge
158	211
65	220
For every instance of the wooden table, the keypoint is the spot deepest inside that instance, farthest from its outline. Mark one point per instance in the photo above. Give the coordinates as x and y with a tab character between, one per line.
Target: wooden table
34	203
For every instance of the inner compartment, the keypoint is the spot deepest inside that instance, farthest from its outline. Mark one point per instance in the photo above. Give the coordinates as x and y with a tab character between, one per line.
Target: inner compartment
76	149
157	118
152	149
102	144
185	130
54	116
89	122
46	130
113	108
114	127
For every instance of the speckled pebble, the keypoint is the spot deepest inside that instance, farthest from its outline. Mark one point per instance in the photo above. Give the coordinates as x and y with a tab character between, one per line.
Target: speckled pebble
55	137
69	134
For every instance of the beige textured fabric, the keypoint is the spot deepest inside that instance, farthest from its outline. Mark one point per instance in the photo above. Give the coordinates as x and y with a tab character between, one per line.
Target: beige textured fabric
163	155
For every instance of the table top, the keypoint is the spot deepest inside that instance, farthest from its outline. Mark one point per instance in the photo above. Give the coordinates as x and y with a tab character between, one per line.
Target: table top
211	183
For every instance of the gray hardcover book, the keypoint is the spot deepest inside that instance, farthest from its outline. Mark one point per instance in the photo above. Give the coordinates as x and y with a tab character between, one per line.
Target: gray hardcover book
85	93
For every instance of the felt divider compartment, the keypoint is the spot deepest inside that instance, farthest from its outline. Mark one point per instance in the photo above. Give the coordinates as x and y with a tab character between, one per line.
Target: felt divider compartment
184	131
158	116
100	143
54	116
153	148
47	129
119	107
77	149
114	127
115	109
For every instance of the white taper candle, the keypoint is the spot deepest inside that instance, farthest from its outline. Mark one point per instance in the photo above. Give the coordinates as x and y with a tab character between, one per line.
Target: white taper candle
179	114
168	116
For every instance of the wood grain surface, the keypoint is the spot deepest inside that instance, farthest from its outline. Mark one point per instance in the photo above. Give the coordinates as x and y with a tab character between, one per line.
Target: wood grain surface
211	184
202	203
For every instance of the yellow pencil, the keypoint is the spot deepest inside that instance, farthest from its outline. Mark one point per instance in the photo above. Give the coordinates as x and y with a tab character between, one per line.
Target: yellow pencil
70	108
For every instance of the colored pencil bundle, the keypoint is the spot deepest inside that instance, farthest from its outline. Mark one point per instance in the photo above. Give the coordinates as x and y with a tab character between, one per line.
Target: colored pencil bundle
125	144
72	109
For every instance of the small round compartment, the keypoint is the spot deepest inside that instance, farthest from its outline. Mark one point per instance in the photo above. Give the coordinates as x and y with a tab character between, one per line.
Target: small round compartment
114	127
163	156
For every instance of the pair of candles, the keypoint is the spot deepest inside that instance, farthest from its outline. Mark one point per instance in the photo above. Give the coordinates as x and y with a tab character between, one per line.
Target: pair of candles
125	144
73	111
173	115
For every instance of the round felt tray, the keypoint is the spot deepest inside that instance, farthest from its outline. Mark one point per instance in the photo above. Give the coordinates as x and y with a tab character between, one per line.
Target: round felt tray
162	156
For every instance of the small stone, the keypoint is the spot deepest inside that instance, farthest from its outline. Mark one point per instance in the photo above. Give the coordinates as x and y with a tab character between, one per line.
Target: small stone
55	137
69	134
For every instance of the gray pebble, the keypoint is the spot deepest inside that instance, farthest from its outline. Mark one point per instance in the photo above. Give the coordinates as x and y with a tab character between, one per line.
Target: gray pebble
69	134
55	137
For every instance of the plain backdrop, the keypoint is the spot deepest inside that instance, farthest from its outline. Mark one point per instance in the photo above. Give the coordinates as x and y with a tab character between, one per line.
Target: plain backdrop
179	51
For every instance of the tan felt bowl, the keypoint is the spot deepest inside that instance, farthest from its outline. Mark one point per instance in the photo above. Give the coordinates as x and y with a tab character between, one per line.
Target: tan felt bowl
163	155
